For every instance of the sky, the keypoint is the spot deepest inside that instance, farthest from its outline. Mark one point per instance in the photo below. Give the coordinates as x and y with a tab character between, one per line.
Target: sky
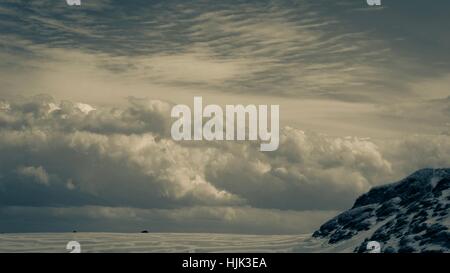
86	94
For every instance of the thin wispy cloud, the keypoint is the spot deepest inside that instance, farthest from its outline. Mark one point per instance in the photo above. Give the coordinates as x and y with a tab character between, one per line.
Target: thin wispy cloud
302	49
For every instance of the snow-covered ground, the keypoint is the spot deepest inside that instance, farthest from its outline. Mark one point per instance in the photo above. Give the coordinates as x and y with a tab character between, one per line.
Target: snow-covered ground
172	242
156	242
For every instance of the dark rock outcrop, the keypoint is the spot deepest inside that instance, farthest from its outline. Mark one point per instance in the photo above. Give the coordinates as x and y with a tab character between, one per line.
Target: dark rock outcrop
411	215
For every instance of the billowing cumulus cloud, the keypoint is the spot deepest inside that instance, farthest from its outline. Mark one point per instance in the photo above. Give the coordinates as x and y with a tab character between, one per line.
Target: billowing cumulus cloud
68	154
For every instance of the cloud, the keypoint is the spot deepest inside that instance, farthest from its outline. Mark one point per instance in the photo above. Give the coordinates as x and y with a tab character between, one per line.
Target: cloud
122	156
425	116
418	151
126	154
42	111
309	171
243	220
301	50
302	56
37	174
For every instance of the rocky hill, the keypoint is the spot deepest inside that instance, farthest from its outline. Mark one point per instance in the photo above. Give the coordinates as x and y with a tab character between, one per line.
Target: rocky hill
411	215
